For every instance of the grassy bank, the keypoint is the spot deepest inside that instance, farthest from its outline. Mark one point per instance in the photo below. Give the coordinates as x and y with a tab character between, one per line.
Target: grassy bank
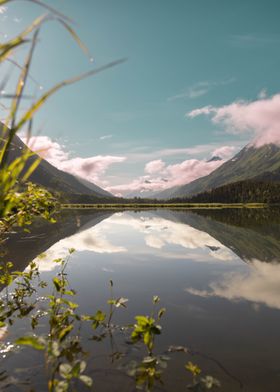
145	206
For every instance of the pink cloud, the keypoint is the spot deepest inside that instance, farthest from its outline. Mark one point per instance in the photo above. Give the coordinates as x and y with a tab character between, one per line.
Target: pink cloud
48	149
167	176
260	118
91	169
224	152
154	166
158	174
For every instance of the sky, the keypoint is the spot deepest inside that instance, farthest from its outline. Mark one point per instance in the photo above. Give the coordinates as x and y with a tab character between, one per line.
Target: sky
201	78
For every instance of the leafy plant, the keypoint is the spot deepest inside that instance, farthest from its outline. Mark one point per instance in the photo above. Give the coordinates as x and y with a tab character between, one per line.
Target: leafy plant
147	327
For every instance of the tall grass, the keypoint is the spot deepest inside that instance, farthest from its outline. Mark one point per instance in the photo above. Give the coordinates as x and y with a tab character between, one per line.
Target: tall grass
11	173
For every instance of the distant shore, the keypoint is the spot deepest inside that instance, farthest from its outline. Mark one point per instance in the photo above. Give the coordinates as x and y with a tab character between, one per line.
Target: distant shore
145	206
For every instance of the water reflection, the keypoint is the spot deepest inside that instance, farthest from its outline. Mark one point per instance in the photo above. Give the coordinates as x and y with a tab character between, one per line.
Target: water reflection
145	231
22	247
250	234
217	273
168	236
260	285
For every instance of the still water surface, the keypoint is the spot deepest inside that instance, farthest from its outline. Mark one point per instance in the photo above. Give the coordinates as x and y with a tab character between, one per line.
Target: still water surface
217	274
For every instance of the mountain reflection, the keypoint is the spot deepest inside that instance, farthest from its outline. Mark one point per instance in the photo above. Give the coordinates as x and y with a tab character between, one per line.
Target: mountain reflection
252	234
138	233
162	233
223	236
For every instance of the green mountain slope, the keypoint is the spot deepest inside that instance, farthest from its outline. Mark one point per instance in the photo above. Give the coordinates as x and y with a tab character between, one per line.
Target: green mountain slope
54	179
249	163
247	191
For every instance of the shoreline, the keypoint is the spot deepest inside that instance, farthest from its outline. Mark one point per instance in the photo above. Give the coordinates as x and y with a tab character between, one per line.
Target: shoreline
146	206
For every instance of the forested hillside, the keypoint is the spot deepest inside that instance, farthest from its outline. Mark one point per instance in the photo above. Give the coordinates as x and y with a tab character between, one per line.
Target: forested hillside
239	192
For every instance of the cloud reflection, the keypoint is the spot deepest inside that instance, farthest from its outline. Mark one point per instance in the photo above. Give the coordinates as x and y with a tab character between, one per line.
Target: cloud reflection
260	285
93	240
122	232
159	233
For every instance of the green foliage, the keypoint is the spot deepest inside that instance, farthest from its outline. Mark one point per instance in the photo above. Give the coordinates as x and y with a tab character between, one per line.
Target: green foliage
62	344
201	384
22	207
149	372
31	341
249	191
145	329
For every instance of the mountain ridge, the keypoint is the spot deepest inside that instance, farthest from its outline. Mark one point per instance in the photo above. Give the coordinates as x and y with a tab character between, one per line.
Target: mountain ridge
249	163
50	177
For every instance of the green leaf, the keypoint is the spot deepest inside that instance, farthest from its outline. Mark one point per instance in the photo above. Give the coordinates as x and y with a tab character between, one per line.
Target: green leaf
65	370
57	284
97	319
149	360
156	299
147	338
31	341
194	369
142	320
99	316
86	380
161	312
209	382
62	335
121	302
61	386
55	349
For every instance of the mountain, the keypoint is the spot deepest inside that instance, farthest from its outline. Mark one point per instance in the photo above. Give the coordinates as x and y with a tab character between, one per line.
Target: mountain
215	158
54	179
93	187
250	163
247	191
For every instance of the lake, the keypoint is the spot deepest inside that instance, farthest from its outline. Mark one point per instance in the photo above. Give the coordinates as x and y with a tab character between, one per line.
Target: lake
217	273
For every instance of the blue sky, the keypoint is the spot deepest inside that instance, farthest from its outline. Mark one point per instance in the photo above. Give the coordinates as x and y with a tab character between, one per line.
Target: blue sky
182	55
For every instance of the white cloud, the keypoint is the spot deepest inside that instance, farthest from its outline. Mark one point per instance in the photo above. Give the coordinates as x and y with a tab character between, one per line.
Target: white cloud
91	168
154	166
162	176
105	137
224	152
260	118
199	89
200	149
259	285
192	93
